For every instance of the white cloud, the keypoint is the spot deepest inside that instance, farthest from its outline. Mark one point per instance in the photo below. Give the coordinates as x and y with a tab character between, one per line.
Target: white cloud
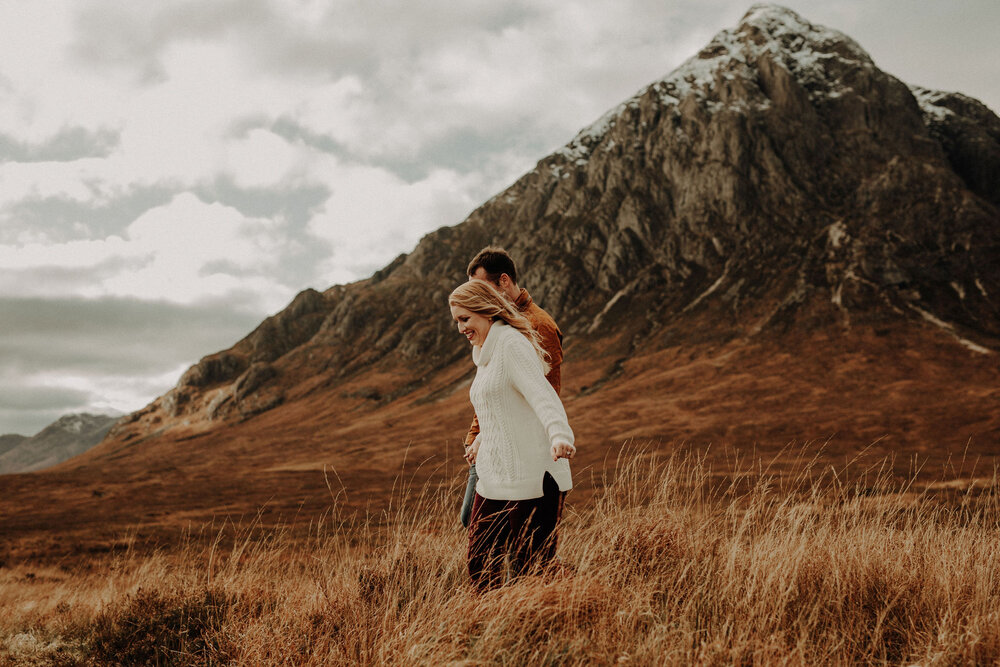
105	393
179	243
184	252
262	158
373	215
335	109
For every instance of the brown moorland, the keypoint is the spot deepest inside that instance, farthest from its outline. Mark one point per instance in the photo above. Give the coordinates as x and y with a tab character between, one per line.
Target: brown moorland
889	395
776	271
667	565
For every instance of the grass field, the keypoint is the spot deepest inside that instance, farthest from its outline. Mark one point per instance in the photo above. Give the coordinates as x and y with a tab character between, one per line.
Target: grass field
670	563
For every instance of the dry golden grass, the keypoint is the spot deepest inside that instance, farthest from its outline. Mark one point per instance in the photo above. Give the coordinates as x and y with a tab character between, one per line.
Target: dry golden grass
670	564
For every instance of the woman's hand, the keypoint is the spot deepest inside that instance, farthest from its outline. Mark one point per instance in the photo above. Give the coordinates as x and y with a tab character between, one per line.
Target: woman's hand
471	451
562	450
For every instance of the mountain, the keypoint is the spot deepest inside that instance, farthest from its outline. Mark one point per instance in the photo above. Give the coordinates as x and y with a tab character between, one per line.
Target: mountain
9	441
776	243
63	439
777	178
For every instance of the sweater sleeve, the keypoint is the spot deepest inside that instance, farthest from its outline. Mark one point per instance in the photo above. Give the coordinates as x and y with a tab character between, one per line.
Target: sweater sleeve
526	375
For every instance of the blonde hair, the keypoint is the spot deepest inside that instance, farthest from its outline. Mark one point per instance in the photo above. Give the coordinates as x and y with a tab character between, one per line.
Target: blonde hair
482	298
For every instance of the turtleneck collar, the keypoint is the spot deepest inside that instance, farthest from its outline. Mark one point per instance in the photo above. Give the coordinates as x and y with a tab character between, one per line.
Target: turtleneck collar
481	355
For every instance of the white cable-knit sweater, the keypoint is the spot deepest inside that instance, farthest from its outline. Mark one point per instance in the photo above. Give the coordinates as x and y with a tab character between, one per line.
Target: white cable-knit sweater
520	418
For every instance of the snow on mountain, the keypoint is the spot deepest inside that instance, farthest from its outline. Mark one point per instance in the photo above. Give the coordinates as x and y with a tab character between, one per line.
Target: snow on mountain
806	50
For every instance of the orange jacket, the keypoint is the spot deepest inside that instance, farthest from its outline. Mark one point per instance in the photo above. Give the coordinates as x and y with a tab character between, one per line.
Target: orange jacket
551	340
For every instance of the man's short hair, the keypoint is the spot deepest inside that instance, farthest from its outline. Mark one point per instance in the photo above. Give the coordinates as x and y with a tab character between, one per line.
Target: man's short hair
495	261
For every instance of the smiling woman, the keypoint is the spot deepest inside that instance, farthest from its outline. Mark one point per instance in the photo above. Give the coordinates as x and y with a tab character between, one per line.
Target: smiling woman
524	444
472	325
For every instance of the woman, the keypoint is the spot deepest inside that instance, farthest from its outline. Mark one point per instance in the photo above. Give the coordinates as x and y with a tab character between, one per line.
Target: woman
524	444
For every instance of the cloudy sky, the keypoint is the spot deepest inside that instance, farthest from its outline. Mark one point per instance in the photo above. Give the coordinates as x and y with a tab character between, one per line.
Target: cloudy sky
173	172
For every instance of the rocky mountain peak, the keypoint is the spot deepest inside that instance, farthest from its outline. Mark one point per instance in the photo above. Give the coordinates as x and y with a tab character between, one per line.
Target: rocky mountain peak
768	34
776	180
780	30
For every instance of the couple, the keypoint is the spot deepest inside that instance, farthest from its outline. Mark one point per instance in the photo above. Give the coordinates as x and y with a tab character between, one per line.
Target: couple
520	441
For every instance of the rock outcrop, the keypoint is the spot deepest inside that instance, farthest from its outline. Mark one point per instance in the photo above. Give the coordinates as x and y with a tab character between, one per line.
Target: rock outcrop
776	179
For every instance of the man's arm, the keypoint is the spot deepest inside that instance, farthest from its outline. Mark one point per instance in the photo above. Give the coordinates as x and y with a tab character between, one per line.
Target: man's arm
551	340
473	431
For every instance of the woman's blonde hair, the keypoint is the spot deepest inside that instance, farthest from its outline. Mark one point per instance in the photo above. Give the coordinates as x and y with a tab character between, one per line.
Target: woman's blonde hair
482	298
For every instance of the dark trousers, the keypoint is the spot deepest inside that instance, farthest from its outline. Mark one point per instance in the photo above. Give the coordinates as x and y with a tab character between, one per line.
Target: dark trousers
524	530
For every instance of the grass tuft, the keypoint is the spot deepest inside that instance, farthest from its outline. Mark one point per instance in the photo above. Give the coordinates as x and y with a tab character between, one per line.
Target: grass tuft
162	627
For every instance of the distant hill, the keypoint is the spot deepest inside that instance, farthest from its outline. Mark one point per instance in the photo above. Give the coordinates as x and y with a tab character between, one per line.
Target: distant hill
63	439
10	441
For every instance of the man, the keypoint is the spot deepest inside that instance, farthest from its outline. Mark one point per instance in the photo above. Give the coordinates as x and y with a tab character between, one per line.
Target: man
495	266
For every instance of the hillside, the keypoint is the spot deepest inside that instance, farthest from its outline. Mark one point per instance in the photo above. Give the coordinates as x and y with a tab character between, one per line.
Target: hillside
776	243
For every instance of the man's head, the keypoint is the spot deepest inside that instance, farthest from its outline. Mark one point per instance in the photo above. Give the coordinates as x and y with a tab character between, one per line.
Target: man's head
494	265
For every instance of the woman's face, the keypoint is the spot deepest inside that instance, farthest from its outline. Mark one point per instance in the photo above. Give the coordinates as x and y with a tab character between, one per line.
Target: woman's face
471	325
